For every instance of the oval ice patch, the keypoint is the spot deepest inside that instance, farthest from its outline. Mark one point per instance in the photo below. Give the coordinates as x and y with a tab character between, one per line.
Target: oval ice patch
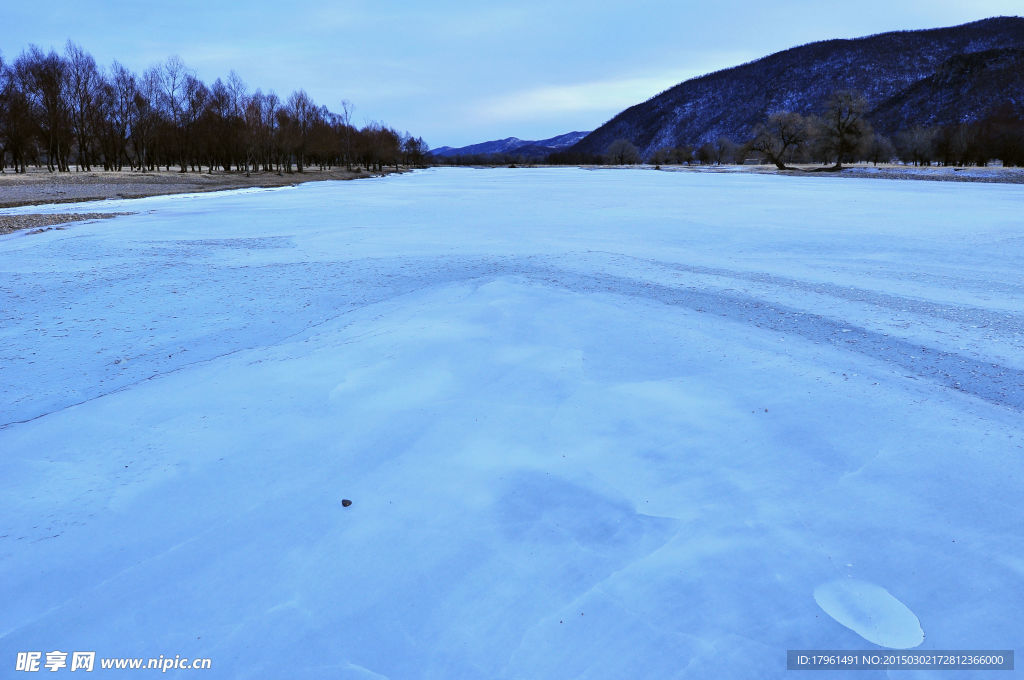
871	612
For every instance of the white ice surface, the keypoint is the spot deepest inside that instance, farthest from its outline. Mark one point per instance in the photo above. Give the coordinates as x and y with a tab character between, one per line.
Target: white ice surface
594	424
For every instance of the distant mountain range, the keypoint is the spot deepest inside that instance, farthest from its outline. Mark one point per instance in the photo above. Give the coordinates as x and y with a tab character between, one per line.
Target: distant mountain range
927	77
514	146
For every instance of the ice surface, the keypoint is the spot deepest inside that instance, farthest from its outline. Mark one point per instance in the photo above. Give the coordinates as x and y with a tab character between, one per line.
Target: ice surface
870	611
594	424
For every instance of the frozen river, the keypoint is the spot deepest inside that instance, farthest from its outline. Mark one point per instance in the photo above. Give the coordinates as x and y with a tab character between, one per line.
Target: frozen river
593	424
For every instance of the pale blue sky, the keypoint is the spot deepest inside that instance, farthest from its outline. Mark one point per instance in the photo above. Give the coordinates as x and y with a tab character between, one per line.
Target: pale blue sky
462	72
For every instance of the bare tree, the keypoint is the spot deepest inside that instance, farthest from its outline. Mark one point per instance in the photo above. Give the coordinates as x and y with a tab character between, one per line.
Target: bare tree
236	132
261	122
121	112
4	114
45	80
728	151
414	149
55	108
173	74
661	156
916	145
347	109
271	109
216	127
150	120
172	82
955	144
379	146
301	113
880	150
83	92
195	98
781	138
238	91
844	130
622	152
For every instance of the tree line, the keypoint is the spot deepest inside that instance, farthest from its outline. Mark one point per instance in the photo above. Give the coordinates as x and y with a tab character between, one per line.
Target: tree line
840	134
59	110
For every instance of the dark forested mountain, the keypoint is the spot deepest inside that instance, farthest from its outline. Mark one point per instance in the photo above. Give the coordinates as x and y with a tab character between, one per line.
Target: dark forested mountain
927	77
514	146
964	88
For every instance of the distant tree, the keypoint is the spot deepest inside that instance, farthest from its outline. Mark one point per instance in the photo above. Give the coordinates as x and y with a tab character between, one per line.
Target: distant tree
728	151
45	81
681	154
916	145
172	85
956	144
4	114
62	108
150	121
120	91
171	105
301	113
215	129
380	146
238	146
324	140
83	92
414	149
195	100
569	157
622	152
1001	135
348	132
661	156
781	138
707	154
880	150
261	120
843	129
238	92
722	150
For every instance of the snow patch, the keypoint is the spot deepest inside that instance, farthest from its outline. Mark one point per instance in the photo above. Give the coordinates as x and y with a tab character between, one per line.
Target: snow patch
870	611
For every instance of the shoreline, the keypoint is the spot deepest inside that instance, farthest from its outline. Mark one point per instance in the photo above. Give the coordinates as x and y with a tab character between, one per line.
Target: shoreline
989	175
40	187
40	222
968	174
37	187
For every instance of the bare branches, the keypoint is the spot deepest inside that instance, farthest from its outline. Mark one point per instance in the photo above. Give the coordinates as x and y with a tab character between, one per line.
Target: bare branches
59	109
782	137
843	129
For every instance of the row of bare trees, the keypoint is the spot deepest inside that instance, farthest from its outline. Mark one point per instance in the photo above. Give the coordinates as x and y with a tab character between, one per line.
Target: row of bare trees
842	134
59	110
839	135
998	136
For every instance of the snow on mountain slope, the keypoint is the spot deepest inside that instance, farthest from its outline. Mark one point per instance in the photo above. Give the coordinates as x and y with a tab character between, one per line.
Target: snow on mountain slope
594	424
909	78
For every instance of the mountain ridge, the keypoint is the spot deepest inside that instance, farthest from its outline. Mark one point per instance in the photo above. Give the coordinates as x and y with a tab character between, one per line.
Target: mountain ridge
884	66
509	145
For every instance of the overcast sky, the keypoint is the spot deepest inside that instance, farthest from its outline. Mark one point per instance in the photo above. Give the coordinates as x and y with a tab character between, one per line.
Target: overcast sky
458	72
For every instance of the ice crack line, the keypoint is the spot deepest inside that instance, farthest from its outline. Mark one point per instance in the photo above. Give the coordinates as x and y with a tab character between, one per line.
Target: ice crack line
1003	322
991	382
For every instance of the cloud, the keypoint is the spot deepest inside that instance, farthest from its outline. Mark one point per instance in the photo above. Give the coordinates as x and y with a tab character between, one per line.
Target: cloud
604	95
